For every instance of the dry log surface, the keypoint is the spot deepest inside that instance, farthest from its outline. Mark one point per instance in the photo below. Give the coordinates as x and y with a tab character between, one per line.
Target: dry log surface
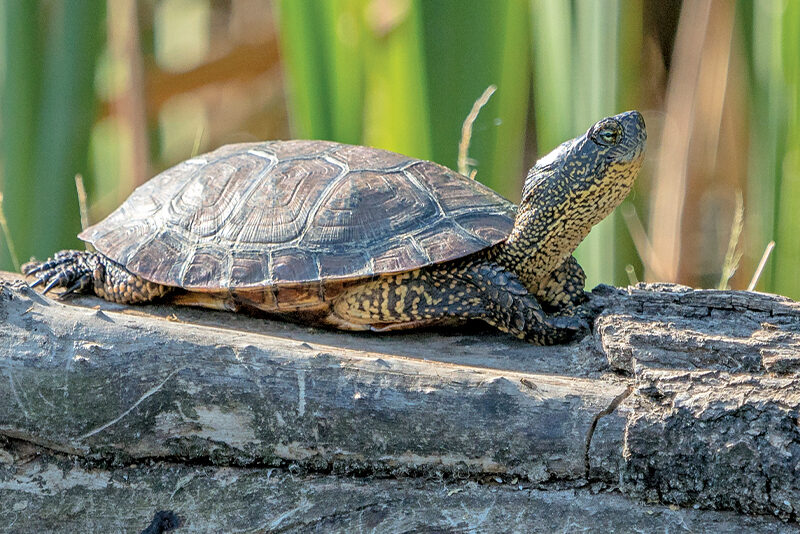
680	411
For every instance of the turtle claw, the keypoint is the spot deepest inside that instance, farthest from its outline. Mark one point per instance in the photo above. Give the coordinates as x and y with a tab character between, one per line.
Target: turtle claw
29	268
79	271
81	285
57	280
60	258
67	268
32	267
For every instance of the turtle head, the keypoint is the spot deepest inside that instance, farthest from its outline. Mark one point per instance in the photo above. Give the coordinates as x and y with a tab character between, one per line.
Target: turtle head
592	173
570	190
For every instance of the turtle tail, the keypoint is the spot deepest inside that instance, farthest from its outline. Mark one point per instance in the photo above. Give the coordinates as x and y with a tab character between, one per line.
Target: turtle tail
81	271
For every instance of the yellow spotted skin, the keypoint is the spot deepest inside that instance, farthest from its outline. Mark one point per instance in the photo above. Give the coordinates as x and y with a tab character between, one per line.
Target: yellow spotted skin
528	285
463	290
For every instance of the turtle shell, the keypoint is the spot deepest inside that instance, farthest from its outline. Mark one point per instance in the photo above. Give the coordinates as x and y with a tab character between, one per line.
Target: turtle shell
291	212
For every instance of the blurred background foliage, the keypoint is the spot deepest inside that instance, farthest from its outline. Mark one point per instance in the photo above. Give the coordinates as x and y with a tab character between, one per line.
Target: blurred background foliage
121	89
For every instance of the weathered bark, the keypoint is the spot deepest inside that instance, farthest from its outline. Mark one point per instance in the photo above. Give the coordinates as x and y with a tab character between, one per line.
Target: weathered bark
51	496
679	397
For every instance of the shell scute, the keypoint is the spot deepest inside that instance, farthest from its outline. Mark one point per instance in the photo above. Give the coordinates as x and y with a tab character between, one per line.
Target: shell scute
277	209
285	213
445	240
214	192
162	257
370	206
250	266
486	226
449	189
406	251
206	267
344	265
293	264
366	158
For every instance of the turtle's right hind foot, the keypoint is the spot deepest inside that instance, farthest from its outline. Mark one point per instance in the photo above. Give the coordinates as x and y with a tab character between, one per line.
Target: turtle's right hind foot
74	270
80	271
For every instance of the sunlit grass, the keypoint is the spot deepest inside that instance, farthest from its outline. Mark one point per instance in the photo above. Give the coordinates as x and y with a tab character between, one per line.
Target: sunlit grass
383	73
733	255
772	30
396	114
22	49
464	162
48	110
322	51
7	235
760	269
787	221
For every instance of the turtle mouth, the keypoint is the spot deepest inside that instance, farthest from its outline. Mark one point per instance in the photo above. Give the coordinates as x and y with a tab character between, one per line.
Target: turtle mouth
632	151
634	155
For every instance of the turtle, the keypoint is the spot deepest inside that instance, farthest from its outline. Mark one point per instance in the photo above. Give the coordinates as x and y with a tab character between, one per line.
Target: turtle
360	238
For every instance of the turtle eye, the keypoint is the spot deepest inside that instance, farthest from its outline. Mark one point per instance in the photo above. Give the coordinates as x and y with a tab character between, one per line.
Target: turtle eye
607	134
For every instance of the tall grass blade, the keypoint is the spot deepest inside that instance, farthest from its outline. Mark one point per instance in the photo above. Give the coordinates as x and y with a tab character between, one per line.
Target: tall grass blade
553	90
302	23
18	109
485	43
396	93
385	74
66	117
343	46
322	50
787	257
773	191
12	252
513	61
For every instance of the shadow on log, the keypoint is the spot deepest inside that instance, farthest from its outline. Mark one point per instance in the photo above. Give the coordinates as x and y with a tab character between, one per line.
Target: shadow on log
680	397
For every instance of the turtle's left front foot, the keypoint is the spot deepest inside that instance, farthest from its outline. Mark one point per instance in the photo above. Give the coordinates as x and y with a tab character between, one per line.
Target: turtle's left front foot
73	269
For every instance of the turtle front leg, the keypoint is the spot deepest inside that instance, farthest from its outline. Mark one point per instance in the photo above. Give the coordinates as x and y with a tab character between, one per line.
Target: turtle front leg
467	290
86	272
562	291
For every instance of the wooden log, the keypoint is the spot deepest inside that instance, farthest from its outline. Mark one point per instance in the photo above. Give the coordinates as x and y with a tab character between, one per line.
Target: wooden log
43	493
86	381
713	417
680	396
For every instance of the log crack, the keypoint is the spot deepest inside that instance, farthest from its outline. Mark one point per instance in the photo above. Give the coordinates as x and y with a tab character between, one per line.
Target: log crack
150	392
608	410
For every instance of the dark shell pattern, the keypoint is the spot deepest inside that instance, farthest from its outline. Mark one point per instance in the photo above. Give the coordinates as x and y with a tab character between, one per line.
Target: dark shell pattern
289	212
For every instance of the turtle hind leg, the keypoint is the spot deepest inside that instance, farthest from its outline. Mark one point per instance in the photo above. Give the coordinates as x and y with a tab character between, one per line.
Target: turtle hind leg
465	290
86	272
